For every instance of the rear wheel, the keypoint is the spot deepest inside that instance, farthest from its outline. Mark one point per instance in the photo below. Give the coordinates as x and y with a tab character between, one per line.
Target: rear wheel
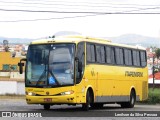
86	105
46	107
131	102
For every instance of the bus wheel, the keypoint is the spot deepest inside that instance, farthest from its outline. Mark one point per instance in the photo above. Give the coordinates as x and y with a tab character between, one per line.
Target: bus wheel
97	105
86	105
131	102
46	107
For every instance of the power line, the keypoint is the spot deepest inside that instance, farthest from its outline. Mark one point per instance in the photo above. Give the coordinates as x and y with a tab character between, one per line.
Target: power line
46	1
50	18
76	12
87	13
106	7
72	17
74	4
68	7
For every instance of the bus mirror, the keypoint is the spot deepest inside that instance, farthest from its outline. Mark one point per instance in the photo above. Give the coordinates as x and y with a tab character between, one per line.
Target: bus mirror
20	64
20	67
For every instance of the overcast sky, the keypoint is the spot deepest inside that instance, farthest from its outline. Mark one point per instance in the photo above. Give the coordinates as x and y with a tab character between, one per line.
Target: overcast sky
29	19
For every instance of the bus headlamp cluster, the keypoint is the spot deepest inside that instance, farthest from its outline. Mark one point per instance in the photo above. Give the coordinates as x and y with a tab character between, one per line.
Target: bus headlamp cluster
67	92
30	93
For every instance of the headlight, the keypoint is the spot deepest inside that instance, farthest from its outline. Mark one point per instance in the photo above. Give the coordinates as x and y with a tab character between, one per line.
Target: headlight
30	93
67	92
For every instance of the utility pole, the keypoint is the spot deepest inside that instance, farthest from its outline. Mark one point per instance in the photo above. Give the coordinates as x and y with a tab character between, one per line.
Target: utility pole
153	71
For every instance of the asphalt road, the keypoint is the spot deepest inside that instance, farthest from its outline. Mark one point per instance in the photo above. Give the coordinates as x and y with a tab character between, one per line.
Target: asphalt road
18	108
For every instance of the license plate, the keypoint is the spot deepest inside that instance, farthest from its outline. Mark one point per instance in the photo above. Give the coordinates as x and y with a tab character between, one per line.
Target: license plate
47	99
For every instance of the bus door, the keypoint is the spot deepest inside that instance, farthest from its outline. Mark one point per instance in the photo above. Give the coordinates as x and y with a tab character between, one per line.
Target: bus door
80	66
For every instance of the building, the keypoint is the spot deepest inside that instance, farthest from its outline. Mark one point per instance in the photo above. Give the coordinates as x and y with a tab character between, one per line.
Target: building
11	82
8	62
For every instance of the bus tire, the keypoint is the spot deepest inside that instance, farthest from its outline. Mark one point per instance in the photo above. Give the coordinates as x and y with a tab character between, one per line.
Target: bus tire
97	105
85	106
46	107
131	102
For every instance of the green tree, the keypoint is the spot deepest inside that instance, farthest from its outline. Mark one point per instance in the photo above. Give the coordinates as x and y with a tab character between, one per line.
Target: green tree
157	53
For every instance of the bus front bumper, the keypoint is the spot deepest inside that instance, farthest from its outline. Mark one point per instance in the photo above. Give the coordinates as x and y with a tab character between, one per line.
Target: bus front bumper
64	99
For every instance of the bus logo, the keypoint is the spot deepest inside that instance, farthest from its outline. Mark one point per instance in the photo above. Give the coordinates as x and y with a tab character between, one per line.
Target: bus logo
133	74
47	93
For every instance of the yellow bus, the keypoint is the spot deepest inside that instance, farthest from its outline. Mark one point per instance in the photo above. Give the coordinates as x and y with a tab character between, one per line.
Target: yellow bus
83	70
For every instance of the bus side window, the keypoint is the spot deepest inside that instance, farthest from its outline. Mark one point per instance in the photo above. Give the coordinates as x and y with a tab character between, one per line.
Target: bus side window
88	53
108	54
102	54
143	58
81	58
128	57
136	58
93	57
119	56
91	53
98	53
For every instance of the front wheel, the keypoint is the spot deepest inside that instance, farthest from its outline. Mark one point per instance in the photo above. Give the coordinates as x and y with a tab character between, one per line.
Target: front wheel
96	105
85	106
131	102
46	107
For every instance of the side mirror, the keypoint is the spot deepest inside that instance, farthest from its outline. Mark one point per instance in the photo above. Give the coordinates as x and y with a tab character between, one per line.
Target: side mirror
20	64
79	64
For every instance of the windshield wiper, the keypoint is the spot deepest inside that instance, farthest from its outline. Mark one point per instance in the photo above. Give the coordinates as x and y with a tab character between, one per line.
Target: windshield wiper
45	69
57	82
42	76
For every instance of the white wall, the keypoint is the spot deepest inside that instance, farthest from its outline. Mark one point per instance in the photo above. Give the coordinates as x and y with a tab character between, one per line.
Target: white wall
16	75
5	74
8	87
20	88
12	75
12	87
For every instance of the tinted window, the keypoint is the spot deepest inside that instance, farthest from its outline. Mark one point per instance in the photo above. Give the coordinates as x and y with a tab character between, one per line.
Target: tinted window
136	58
81	58
93	54
119	56
128	57
90	53
110	55
98	53
102	54
143	59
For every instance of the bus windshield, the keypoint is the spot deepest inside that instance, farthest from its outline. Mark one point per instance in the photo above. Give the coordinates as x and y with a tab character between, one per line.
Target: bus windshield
50	65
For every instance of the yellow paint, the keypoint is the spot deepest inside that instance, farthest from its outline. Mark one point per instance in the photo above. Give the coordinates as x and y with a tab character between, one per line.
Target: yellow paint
6	58
108	80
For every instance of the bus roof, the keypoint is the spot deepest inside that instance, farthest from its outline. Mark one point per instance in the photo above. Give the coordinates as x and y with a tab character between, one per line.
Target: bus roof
77	39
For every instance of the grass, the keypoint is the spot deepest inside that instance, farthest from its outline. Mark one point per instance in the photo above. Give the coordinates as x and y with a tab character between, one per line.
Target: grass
153	96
